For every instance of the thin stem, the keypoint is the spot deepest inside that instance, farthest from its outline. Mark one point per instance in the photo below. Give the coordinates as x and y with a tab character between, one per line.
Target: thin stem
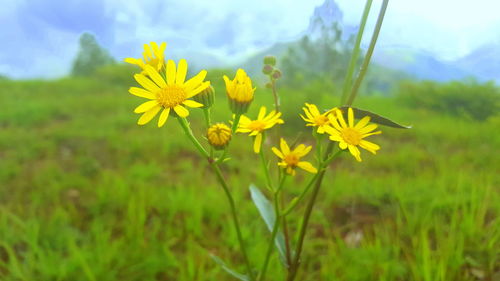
189	133
223	183
187	130
208	123
275	94
265	167
366	62
305	220
355	52
274	232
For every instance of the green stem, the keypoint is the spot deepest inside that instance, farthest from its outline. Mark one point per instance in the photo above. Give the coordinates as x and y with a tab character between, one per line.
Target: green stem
355	52
274	231
208	123
189	133
275	94
265	167
366	62
232	205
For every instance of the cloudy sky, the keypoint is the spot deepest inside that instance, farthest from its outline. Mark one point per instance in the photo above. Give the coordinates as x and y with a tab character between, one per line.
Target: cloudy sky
39	37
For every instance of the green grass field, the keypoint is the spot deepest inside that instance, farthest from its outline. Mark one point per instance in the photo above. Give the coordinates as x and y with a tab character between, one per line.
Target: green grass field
86	194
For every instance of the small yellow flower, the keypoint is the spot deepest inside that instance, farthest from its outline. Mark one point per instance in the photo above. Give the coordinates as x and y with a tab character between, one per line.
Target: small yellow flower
239	91
153	55
172	93
290	159
315	118
351	136
219	135
256	127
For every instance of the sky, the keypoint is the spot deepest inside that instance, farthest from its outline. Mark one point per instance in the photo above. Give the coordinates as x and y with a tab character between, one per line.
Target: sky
40	37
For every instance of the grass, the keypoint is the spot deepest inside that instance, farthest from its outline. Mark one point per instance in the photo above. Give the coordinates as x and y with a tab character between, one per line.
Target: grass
86	194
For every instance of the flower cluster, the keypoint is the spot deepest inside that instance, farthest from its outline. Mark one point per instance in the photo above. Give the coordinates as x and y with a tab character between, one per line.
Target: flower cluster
168	91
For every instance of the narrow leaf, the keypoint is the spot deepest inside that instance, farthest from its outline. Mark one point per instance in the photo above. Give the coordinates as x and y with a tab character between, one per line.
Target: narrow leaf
267	212
229	270
375	118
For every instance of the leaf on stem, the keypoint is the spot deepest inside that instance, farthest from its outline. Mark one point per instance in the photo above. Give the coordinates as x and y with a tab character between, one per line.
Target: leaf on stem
229	270
266	210
374	118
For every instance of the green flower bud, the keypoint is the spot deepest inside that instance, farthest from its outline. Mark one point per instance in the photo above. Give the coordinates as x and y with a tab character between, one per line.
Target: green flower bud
206	97
267	69
276	74
271	60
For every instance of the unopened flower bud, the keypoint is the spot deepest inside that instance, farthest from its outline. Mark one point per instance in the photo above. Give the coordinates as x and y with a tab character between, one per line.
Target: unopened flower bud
239	91
271	60
269	85
219	136
267	69
276	74
206	97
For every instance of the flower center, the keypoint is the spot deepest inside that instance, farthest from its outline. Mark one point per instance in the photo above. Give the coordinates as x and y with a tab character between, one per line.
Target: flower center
291	159
171	96
257	125
321	120
351	136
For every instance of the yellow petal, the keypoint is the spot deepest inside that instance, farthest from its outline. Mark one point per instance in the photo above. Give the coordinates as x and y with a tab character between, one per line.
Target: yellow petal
355	152
336	137
302	150
362	122
340	118
257	143
342	145
171	73
192	103
140	92
181	72
200	88
163	117
146	106
148	115
277	152
370	134
307	166
262	113
334	122
284	146
146	83
181	111
350	117
155	76
370	146
195	81
368	128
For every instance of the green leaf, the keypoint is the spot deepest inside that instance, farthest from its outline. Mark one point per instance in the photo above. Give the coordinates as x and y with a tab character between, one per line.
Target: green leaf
229	270
374	118
267	212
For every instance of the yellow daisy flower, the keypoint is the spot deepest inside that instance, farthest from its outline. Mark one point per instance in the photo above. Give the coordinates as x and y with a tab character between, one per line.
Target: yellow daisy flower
153	55
172	93
315	118
239	92
256	127
290	159
351	136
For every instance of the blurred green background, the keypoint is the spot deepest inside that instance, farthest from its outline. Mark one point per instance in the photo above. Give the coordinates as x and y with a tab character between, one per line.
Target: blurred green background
86	194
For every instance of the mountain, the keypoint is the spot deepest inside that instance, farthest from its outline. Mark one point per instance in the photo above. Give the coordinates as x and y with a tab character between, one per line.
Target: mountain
484	62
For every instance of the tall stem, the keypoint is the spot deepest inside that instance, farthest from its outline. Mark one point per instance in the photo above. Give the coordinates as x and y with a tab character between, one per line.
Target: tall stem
265	168
355	53
215	166
274	231
369	53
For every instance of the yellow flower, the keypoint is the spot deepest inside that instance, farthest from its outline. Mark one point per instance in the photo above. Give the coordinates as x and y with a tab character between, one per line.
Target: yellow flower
351	136
153	55
315	118
172	93
290	159
256	127
239	91
219	135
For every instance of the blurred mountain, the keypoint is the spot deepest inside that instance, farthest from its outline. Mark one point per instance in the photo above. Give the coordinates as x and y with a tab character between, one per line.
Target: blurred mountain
417	63
484	62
